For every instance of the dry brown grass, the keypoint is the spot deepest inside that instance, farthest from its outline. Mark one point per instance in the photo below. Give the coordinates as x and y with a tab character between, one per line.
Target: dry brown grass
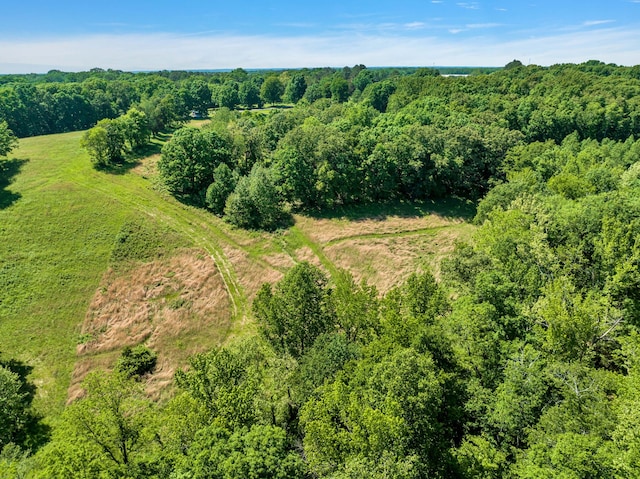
250	273
387	261
328	230
176	306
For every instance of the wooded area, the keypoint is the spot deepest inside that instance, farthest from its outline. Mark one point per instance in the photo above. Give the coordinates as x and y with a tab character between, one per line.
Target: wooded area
520	359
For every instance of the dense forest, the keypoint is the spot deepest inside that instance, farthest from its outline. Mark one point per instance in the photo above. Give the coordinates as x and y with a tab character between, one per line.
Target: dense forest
519	359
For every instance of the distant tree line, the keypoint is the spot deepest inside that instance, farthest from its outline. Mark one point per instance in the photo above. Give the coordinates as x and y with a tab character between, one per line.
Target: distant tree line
59	101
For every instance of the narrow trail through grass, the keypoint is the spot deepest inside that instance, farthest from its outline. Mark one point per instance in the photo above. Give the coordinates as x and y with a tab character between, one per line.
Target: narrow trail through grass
303	239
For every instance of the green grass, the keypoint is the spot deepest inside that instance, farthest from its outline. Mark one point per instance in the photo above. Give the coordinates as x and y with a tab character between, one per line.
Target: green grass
56	239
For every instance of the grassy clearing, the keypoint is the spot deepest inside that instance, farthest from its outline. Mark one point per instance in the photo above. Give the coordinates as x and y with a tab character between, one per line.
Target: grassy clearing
91	261
385	243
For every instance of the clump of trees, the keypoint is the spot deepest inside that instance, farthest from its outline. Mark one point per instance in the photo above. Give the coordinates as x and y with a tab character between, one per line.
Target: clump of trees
198	165
107	141
411	137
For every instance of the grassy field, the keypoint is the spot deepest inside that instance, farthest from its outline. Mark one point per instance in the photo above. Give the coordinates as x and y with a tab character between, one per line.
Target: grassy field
92	261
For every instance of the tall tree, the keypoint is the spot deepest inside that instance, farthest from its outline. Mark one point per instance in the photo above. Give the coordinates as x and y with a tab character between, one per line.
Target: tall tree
135	128
272	90
255	202
105	142
293	315
249	94
295	88
189	159
104	434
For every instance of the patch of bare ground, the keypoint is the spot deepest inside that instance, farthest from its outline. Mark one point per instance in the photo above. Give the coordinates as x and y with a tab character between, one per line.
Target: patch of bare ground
176	306
328	230
387	261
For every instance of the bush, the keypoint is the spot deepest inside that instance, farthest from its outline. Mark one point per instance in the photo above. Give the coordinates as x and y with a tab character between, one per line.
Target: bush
136	361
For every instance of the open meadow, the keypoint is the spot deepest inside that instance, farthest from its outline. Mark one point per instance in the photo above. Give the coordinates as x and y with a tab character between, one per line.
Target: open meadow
92	261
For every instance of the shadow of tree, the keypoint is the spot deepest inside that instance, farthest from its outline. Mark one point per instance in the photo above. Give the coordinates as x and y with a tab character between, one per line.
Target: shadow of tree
8	170
451	208
133	158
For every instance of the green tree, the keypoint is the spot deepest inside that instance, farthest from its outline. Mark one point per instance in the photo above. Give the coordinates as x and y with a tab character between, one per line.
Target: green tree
295	176
95	142
339	89
224	182
227	95
226	382
255	202
321	363
356	307
14	403
104	434
295	88
297	311
262	452
388	406
8	141
135	128
105	142
189	159
200	96
272	89
136	361
378	94
249	95
363	79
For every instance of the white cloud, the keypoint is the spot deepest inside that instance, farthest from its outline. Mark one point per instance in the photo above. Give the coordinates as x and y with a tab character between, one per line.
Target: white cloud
170	51
469	5
591	23
414	25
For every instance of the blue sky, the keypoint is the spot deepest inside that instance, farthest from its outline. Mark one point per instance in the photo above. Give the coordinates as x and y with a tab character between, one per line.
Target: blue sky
149	35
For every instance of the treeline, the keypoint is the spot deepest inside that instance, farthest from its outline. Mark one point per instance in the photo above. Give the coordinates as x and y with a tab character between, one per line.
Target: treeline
401	138
59	101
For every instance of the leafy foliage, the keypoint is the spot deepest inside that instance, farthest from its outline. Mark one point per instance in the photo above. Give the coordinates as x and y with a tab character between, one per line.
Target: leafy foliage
189	159
255	202
297	312
519	359
137	361
8	141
